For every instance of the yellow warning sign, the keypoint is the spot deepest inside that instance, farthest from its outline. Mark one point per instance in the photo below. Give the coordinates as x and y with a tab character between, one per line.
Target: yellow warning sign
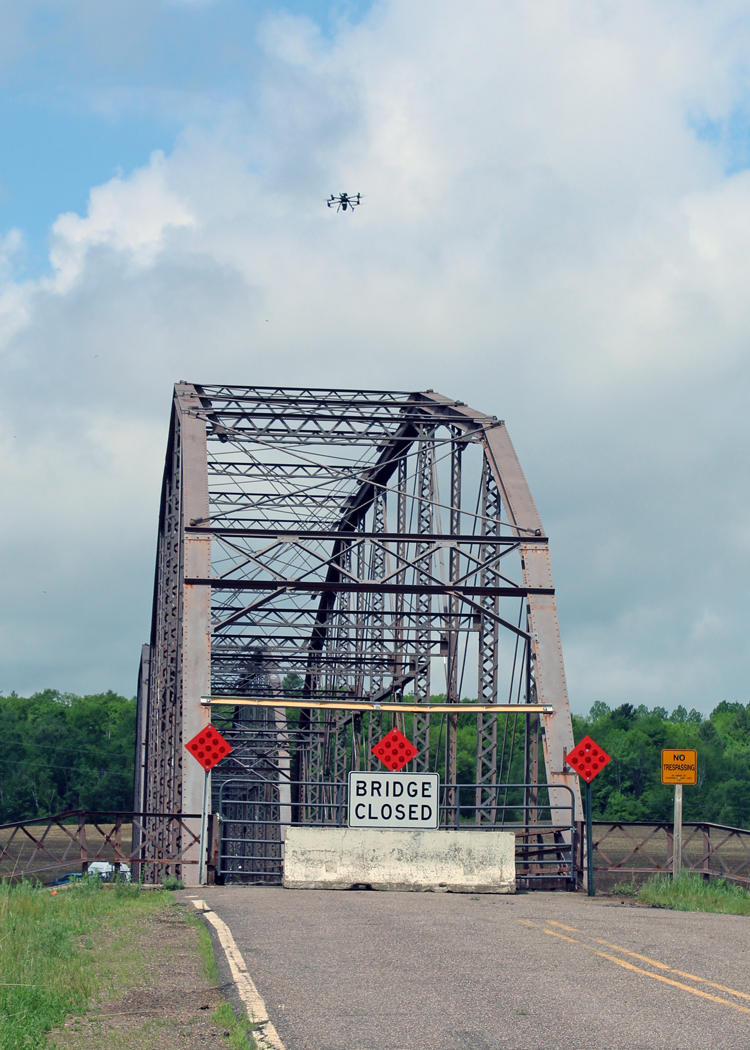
679	766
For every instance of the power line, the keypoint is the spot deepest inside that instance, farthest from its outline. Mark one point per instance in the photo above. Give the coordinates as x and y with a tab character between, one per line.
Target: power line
46	765
59	747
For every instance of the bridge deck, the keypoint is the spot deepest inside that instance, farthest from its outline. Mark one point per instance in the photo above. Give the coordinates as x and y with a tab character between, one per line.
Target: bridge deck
405	971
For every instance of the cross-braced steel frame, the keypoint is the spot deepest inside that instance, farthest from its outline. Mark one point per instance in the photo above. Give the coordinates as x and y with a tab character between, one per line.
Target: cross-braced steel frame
348	547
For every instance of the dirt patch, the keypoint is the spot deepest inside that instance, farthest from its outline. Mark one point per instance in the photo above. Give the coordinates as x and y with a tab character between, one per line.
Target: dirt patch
161	994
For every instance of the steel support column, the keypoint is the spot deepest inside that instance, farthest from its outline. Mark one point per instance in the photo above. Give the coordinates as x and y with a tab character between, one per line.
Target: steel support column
424	557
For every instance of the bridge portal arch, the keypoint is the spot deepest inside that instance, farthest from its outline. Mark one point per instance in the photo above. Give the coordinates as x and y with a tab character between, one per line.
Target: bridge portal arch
328	562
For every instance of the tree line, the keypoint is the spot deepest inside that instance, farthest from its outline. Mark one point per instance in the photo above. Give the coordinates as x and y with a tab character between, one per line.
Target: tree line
630	787
60	751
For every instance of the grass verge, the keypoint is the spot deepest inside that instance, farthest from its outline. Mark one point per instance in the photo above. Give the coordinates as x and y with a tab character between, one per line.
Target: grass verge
239	1028
46	956
688	892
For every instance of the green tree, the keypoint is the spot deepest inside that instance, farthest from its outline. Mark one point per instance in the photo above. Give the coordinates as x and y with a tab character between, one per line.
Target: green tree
293	684
59	751
630	788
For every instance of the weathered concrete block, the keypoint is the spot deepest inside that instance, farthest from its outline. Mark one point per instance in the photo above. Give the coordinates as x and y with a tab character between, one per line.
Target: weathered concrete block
317	858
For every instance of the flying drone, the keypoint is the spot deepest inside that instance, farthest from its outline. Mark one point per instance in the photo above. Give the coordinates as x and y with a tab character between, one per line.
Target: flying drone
343	200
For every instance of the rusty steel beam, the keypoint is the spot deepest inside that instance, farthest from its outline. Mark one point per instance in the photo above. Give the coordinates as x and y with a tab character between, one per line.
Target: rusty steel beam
385	537
180	662
363	705
366	587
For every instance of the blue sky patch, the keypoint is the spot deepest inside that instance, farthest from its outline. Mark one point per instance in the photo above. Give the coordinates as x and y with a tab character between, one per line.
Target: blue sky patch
76	112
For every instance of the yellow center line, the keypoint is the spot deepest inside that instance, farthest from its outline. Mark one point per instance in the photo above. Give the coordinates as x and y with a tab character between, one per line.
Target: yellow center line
654	962
680	973
645	973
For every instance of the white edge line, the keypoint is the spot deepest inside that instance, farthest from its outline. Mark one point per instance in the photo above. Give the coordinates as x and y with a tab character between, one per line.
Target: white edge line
267	1037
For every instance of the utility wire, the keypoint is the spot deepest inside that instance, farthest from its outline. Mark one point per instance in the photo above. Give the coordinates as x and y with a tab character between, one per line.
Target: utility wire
39	763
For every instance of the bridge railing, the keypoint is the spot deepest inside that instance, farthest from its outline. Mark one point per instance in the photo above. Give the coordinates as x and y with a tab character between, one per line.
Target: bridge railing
629	851
254	814
67	843
247	844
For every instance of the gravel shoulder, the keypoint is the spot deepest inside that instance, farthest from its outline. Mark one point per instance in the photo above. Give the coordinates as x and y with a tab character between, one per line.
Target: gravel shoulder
159	994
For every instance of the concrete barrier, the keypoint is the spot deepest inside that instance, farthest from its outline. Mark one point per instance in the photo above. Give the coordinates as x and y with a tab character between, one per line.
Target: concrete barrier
320	858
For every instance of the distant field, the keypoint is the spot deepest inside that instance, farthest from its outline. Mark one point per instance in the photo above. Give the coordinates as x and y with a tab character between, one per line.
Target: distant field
618	845
59	855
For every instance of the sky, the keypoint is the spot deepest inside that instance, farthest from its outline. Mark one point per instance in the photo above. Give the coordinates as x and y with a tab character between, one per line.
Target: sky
555	230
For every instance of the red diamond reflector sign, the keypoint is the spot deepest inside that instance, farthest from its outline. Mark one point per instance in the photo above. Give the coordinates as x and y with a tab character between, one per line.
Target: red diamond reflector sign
588	759
208	747
394	750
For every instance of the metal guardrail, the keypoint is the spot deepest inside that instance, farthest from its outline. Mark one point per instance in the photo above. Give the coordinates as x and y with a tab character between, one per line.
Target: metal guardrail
71	841
634	850
247	844
253	814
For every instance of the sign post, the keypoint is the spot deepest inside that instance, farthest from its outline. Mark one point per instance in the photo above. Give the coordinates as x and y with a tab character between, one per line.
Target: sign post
588	759
207	747
204	816
678	767
677	833
589	843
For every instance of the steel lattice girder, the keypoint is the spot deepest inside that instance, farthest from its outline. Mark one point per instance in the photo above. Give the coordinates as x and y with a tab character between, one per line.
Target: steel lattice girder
301	533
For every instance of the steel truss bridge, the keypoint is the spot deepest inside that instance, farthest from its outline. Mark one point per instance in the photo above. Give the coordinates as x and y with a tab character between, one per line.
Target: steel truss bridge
331	563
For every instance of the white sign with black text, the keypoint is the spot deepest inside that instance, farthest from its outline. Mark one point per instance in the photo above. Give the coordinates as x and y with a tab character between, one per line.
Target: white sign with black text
394	800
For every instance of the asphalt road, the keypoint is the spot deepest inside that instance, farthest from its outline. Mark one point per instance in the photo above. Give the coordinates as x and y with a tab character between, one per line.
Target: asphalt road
351	970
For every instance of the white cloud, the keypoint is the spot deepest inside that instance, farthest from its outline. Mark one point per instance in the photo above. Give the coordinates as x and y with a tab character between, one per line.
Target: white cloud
544	235
130	216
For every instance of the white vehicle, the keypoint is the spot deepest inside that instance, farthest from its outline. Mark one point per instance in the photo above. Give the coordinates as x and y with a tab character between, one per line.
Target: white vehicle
105	870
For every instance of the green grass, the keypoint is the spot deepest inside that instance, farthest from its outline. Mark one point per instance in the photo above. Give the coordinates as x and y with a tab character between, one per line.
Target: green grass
238	1027
205	948
171	882
46	954
688	892
239	1038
